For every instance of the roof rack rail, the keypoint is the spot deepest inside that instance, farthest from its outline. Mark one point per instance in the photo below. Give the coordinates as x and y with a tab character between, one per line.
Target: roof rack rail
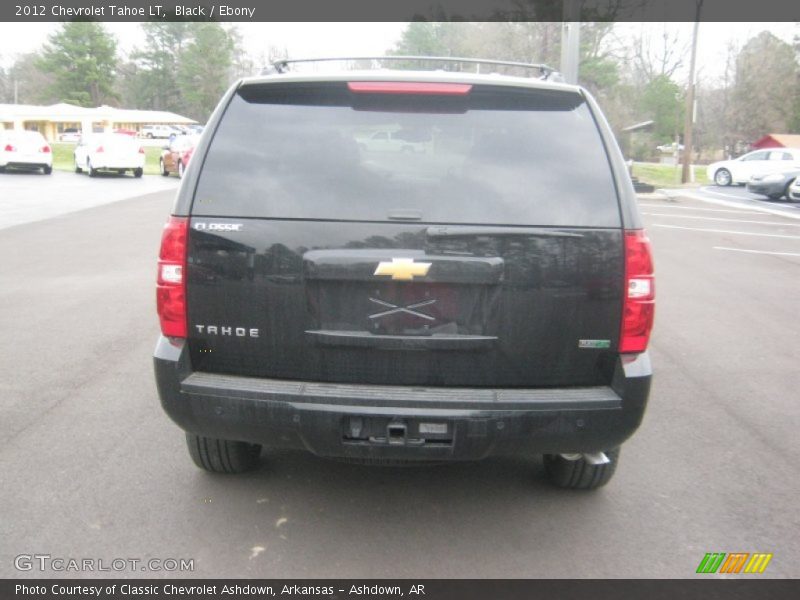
545	72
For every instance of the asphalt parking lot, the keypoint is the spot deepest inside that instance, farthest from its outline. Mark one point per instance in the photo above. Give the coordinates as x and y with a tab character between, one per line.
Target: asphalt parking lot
28	196
92	468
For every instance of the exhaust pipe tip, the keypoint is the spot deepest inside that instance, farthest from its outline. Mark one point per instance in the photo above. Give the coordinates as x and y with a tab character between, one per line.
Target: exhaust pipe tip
592	458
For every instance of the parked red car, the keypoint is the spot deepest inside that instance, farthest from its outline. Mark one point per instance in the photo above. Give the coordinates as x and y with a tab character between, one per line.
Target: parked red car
175	157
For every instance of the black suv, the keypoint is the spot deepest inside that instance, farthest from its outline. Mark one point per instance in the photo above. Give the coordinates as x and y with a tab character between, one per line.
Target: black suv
481	287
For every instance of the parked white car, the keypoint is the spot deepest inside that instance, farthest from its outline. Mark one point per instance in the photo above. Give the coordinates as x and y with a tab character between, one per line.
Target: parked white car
69	135
109	152
159	131
386	140
760	162
25	150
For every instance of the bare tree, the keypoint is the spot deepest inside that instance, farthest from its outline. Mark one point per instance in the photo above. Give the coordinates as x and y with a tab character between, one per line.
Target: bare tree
657	52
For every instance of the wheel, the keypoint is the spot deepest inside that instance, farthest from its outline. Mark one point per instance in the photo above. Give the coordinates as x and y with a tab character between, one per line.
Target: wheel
579	474
723	177
150	136
162	167
90	168
47	169
222	456
775	196
77	168
181	170
138	172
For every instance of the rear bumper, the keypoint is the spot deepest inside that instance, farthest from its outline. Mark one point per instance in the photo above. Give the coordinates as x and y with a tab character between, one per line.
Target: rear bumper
402	423
26	164
118	165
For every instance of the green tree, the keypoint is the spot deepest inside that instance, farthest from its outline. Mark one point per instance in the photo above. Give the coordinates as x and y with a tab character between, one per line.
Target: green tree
662	101
204	71
82	58
765	90
150	80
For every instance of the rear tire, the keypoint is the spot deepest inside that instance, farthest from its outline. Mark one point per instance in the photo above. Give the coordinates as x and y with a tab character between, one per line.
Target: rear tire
91	169
77	168
579	474
138	173
222	456
181	169
162	167
47	169
723	177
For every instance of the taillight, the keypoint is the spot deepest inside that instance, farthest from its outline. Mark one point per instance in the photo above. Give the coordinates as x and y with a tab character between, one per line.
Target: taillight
100	149
45	149
171	285
9	148
639	302
409	87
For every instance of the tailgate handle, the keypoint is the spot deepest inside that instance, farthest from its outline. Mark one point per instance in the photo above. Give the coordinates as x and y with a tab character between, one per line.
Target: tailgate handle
364	339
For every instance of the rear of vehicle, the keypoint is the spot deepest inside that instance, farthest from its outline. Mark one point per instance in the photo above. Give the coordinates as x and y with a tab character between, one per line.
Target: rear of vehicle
113	152
492	295
25	150
69	135
176	156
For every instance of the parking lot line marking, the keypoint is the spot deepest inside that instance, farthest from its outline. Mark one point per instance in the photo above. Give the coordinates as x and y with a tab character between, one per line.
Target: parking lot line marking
722	210
723	194
721	219
757	251
753	205
772	235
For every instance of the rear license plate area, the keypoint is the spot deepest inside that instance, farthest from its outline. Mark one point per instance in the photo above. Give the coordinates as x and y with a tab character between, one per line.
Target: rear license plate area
389	431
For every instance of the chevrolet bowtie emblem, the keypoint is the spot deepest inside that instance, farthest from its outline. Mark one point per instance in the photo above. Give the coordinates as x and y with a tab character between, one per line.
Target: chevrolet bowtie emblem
403	269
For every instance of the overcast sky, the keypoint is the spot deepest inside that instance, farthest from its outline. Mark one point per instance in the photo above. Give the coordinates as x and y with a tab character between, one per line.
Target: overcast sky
360	39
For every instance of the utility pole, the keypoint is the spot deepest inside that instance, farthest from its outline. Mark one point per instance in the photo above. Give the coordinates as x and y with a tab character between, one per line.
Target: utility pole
570	41
689	118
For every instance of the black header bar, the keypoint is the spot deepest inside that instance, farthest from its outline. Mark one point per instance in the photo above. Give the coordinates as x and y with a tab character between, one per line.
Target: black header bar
401	10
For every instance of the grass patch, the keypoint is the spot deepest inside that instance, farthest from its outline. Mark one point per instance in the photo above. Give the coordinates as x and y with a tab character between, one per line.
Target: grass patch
63	158
666	175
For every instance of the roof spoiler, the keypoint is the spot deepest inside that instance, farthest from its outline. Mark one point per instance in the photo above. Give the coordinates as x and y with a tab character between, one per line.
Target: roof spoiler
375	62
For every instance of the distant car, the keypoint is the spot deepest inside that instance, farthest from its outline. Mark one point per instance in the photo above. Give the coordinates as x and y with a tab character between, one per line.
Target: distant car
761	162
109	152
69	135
25	150
670	148
175	157
196	129
389	141
793	193
158	131
774	185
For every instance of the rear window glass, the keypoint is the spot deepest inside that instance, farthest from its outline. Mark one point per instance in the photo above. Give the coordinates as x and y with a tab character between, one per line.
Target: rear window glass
494	156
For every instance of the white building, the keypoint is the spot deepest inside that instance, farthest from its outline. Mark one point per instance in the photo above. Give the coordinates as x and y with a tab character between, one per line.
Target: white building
50	121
